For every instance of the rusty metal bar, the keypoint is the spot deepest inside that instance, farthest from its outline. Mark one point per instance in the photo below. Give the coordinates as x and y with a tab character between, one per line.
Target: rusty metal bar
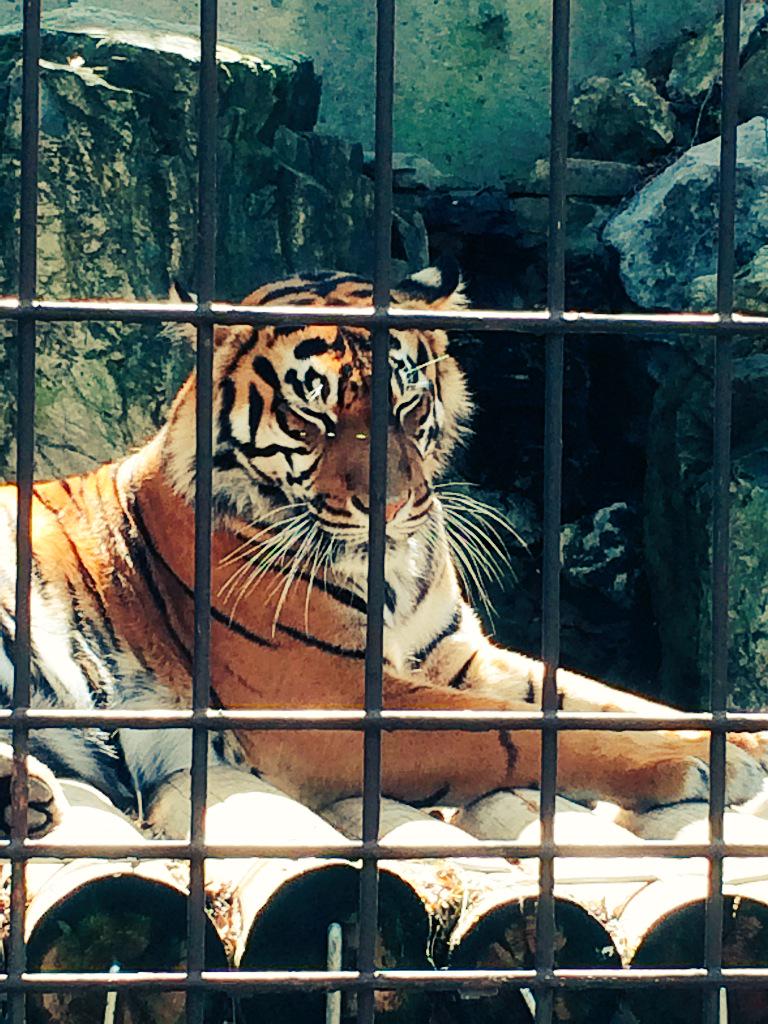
25	464
538	322
205	281
374	646
464	721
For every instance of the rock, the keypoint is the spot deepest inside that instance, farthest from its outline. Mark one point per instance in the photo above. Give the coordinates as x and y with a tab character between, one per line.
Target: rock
666	236
591	179
748	658
697	61
600	552
585	221
118	184
753	73
750	286
623	118
412	173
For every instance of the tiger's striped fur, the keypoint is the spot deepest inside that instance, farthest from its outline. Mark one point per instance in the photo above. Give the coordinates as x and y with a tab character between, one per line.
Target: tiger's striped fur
112	595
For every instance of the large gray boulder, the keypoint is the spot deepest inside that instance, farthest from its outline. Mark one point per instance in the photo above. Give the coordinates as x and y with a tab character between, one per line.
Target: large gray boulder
118	184
666	236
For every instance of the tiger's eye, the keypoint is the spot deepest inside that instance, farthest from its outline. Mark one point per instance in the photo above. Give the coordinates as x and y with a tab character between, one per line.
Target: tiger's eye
296	425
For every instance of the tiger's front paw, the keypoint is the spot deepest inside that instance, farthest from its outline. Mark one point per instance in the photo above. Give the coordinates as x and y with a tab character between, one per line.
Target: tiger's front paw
747	765
46	799
689	777
753	743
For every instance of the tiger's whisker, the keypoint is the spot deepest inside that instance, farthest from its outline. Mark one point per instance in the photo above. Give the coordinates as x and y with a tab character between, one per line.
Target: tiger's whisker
297	566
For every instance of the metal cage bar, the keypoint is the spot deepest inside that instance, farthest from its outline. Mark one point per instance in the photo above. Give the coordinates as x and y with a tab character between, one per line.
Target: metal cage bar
552	325
25	460
201	682
553	457
569	322
374	646
721	475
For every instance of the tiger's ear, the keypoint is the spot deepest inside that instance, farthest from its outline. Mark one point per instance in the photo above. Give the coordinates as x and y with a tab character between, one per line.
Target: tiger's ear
178	293
437	287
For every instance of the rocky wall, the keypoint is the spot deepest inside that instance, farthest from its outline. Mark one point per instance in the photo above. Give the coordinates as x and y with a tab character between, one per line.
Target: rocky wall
472	90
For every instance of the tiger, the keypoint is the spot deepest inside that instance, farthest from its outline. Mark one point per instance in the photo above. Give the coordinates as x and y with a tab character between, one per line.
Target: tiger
112	596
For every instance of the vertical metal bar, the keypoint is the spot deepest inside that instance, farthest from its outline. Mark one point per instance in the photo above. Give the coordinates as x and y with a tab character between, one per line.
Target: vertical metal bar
721	474
25	461
374	648
553	448
205	282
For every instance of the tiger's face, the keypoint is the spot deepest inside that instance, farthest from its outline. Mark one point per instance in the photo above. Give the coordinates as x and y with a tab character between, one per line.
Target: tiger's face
292	412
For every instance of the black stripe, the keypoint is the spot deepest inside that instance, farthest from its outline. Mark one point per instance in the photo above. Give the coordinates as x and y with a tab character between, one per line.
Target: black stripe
253	451
348	598
321	645
434	798
302	477
315	287
220	617
419	657
427	578
300	290
140	560
286	330
321	417
227	403
245	349
296	383
255	409
98	693
85	575
234	625
310	347
41	686
225	460
343	512
460	679
265	369
530	695
340	594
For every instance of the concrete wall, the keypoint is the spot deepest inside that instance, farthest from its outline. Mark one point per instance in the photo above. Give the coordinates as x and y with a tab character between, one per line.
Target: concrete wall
473	75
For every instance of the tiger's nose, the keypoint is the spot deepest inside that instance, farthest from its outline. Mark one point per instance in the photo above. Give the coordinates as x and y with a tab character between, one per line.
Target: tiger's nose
393	507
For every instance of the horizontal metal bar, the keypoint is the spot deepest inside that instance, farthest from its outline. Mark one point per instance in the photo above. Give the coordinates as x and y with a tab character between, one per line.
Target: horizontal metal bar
393	980
525	321
182	850
389	721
